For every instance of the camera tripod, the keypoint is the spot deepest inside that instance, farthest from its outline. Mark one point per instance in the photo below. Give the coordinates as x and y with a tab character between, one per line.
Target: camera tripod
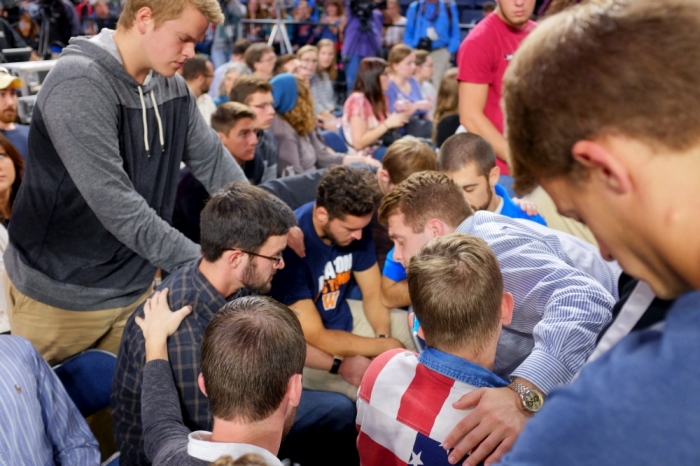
279	27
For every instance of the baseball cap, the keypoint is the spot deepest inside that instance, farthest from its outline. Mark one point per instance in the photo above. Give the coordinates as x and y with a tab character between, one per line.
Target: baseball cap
7	80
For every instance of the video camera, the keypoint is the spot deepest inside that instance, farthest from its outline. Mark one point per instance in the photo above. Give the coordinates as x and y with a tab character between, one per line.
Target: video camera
363	9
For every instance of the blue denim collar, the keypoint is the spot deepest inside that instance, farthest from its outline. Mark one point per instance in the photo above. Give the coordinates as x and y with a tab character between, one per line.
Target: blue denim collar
459	369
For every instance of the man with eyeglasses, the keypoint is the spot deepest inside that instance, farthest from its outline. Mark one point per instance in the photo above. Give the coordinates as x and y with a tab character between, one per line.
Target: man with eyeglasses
243	233
339	247
199	73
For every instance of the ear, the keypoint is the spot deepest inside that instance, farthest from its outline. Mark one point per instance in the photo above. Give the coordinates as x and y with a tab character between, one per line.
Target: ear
222	136
507	305
200	382
322	215
602	165
383	178
435	227
412	321
233	257
144	20
494	175
294	388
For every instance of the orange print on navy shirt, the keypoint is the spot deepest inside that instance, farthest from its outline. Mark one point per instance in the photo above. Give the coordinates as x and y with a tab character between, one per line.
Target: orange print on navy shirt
336	273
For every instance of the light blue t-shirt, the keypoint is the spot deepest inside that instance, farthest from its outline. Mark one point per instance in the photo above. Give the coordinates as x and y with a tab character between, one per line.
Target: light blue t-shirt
394	94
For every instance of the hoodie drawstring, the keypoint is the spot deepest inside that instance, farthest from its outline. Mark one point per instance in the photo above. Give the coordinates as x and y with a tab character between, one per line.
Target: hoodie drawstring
145	122
160	123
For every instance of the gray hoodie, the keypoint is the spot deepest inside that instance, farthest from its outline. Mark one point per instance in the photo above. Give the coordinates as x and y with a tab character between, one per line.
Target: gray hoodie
91	222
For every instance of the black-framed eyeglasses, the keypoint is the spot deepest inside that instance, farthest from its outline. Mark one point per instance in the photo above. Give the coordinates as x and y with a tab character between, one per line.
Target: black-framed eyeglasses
276	259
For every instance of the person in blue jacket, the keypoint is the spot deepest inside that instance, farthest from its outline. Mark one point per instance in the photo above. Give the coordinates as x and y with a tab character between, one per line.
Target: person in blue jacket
470	161
433	25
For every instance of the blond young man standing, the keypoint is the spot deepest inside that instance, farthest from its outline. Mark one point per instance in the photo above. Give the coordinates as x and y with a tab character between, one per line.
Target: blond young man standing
110	128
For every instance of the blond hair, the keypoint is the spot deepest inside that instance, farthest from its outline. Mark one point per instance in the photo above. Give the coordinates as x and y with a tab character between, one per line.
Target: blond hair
332	72
642	86
305	49
397	53
249	459
166	10
456	290
302	116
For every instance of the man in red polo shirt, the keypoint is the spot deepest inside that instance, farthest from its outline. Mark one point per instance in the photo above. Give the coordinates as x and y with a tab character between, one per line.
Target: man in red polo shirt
482	59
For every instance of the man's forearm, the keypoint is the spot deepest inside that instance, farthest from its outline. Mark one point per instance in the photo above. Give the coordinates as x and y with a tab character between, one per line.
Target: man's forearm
395	294
378	315
156	348
317	359
341	343
478	123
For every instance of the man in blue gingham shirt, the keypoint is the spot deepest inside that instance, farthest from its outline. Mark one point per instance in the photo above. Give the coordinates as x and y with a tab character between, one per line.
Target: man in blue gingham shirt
563	293
39	424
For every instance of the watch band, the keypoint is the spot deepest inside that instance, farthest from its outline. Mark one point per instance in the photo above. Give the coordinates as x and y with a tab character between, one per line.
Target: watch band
336	365
532	399
383	335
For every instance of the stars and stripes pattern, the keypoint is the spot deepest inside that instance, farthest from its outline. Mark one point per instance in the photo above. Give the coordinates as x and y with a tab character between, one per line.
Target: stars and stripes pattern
404	412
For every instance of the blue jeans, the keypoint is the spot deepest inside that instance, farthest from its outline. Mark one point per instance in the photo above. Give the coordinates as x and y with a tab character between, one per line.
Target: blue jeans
352	62
323	420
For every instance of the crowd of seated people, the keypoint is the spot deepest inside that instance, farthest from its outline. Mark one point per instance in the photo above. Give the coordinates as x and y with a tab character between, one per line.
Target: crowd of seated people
285	270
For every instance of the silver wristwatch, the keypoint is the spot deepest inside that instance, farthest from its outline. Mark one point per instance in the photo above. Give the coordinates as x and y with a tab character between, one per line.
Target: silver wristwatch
532	399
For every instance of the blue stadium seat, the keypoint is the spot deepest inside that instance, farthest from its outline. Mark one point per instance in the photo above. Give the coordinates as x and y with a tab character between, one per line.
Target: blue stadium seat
87	378
335	141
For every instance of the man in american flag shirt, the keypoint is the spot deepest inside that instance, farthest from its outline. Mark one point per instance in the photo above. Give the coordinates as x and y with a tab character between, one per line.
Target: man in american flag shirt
404	406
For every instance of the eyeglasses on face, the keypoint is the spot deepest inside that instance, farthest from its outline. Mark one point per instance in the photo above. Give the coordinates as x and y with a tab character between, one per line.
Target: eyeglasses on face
276	260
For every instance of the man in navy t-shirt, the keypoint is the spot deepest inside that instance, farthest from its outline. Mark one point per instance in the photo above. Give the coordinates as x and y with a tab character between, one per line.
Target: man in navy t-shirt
339	247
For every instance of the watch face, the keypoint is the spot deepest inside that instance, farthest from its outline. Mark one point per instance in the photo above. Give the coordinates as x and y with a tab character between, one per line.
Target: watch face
532	401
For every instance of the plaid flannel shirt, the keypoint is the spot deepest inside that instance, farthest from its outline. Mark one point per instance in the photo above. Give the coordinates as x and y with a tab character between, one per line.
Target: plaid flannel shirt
187	286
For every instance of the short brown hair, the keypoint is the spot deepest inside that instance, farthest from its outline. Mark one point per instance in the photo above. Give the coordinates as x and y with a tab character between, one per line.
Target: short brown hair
246	86
281	61
254	54
194	67
302	116
240	46
459	150
260	342
348	191
397	53
228	114
242	216
643	86
456	289
423	196
166	10
406	156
